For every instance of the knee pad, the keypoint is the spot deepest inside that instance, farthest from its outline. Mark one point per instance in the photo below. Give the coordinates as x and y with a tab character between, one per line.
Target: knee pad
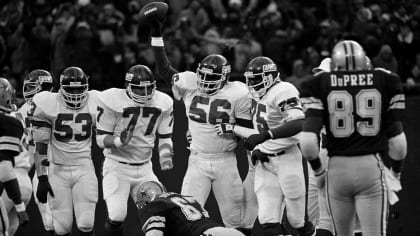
274	229
86	221
293	187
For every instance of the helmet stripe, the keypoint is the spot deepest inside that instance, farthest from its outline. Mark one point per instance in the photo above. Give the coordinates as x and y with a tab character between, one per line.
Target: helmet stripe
353	58
345	56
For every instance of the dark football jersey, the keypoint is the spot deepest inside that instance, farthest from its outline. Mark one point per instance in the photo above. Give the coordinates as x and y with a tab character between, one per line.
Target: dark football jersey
175	215
11	131
356	108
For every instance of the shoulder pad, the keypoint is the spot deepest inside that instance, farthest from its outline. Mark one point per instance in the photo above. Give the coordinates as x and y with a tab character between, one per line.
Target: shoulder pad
186	80
113	98
46	101
163	100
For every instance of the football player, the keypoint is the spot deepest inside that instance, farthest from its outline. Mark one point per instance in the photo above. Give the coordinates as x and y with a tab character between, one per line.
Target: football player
161	213
362	108
279	178
62	130
11	132
129	121
211	99
35	82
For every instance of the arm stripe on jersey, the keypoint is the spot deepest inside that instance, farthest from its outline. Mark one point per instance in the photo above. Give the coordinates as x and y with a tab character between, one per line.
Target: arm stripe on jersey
153	219
397	98
40	123
10	147
101	132
155	225
10	139
164	135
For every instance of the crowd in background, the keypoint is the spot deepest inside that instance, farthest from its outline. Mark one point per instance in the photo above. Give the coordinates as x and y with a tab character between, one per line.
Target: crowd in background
104	37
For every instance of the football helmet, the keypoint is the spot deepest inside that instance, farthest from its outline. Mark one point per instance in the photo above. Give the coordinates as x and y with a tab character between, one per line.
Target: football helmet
212	73
6	95
35	82
74	87
147	192
369	65
260	74
348	55
140	84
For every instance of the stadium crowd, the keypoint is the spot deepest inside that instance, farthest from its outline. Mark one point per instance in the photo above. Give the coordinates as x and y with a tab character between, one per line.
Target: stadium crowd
104	37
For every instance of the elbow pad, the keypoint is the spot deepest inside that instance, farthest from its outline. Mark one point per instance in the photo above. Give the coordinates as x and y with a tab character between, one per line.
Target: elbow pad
100	140
397	147
165	147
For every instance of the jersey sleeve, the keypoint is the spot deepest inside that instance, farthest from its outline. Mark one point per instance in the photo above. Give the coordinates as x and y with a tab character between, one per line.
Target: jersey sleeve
396	105
152	217
106	118
41	121
166	122
243	104
288	102
182	83
312	104
93	104
11	134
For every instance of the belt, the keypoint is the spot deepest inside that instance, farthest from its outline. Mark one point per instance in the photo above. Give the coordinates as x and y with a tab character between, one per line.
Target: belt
132	164
275	154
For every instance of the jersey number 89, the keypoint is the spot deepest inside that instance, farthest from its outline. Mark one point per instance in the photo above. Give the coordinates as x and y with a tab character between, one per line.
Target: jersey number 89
368	108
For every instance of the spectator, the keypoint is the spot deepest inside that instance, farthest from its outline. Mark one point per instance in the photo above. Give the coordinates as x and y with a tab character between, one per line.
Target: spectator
413	82
299	74
385	59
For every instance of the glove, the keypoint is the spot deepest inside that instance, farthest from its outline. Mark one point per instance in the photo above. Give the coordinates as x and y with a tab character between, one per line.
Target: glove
189	138
166	162
126	135
257	155
43	189
23	217
320	175
255	139
224	128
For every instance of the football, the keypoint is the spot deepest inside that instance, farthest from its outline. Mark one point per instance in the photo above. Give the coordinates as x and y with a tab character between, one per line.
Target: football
152	12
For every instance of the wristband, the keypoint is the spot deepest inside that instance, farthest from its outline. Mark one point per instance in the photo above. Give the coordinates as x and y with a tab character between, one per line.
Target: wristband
117	142
157	42
20	207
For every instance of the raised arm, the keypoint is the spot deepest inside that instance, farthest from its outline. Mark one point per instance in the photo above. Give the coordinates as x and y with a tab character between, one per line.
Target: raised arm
163	66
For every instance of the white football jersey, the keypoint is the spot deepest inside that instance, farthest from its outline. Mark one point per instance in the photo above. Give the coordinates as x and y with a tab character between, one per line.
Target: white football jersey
116	111
203	112
280	104
25	158
71	130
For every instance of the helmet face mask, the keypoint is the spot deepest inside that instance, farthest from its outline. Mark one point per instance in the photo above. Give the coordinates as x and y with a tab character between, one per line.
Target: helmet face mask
212	73
147	192
141	84
35	82
74	87
260	75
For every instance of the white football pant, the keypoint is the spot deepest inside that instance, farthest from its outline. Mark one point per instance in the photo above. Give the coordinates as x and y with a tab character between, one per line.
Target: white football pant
121	181
75	187
279	183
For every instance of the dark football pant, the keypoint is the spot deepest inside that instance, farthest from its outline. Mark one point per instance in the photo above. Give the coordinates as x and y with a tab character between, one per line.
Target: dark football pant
356	184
